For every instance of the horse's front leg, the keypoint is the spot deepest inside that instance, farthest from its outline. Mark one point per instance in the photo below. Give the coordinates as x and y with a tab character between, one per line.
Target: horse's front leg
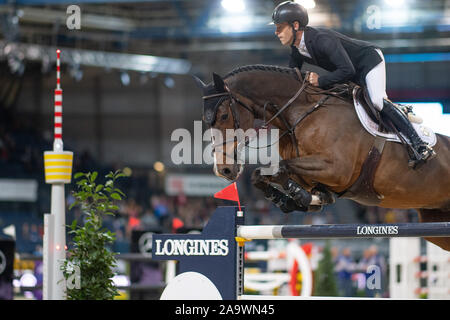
281	184
280	199
317	170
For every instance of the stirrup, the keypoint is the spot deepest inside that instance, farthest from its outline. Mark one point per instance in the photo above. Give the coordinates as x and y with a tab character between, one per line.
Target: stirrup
420	157
427	153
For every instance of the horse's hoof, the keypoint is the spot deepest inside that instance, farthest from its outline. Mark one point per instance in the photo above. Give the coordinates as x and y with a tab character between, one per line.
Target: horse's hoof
286	209
326	197
302	198
290	205
270	196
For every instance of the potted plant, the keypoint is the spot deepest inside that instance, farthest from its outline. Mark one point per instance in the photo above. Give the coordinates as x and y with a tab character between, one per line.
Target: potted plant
88	268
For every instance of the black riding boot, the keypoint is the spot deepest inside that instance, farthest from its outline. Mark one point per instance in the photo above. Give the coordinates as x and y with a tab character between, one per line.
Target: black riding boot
422	151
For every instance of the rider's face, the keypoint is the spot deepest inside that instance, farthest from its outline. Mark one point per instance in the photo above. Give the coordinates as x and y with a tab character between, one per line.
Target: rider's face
284	32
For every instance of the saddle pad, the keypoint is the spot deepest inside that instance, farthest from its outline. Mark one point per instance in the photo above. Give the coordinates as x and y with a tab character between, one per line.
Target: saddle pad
425	133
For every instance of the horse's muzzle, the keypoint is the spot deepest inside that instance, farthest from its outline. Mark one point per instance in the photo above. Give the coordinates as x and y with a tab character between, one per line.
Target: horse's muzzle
229	172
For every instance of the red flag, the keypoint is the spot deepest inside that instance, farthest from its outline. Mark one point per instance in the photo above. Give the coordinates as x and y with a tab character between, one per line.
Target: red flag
176	224
229	193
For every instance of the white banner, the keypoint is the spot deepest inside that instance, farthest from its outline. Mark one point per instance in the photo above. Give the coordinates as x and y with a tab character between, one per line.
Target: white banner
18	190
193	185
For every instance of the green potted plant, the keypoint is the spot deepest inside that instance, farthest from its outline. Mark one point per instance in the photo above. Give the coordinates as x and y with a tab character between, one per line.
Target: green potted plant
89	258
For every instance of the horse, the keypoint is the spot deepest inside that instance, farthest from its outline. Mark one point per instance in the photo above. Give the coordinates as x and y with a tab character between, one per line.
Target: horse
326	152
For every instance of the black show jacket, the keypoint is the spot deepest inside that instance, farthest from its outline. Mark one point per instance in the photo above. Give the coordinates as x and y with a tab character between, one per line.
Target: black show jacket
346	58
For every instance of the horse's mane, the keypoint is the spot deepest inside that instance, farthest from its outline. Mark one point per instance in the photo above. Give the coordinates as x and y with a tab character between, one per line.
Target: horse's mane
278	70
262	67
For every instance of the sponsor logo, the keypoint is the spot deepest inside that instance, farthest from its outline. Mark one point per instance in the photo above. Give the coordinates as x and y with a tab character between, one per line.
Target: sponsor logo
145	243
188	247
376	230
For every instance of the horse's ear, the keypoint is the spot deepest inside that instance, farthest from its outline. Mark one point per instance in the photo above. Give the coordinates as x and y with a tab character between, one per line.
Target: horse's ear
219	85
199	82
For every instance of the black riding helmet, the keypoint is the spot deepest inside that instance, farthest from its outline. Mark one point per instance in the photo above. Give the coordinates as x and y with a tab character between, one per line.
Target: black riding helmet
289	12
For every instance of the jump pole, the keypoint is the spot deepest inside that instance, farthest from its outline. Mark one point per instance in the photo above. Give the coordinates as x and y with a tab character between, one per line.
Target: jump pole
58	172
342	231
211	264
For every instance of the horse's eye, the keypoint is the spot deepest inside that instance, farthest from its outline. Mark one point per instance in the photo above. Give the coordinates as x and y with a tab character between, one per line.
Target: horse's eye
224	117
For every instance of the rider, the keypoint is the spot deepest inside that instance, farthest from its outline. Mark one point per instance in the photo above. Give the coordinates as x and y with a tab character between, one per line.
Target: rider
347	59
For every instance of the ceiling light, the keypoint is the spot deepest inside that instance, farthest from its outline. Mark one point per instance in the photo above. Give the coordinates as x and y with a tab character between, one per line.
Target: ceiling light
158	166
308	4
125	78
233	5
395	3
127	171
169	82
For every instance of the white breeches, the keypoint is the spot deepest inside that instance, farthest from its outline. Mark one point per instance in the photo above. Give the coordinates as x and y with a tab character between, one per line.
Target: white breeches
376	83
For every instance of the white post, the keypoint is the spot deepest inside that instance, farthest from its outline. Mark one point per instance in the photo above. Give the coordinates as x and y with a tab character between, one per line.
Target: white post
438	271
59	230
48	256
403	270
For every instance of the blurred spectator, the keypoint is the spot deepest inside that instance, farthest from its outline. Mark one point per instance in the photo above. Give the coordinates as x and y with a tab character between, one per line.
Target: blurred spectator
87	162
149	221
34	234
371	258
25	232
364	262
334	254
133	211
161	210
344	269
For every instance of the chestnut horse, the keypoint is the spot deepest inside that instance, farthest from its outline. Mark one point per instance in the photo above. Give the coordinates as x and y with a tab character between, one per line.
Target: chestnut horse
328	151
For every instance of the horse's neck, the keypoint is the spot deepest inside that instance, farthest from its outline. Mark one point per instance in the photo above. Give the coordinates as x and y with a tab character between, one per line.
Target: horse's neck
267	92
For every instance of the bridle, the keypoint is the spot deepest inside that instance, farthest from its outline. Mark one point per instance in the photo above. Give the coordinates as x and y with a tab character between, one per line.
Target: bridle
236	123
233	101
278	114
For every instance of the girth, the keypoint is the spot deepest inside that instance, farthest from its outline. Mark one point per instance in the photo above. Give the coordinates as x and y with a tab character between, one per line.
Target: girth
362	190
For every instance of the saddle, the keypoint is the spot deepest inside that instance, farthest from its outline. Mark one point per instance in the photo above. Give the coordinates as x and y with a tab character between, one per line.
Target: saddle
350	91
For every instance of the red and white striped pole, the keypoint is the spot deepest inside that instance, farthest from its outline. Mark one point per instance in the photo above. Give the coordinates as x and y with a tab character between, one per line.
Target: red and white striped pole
58	144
